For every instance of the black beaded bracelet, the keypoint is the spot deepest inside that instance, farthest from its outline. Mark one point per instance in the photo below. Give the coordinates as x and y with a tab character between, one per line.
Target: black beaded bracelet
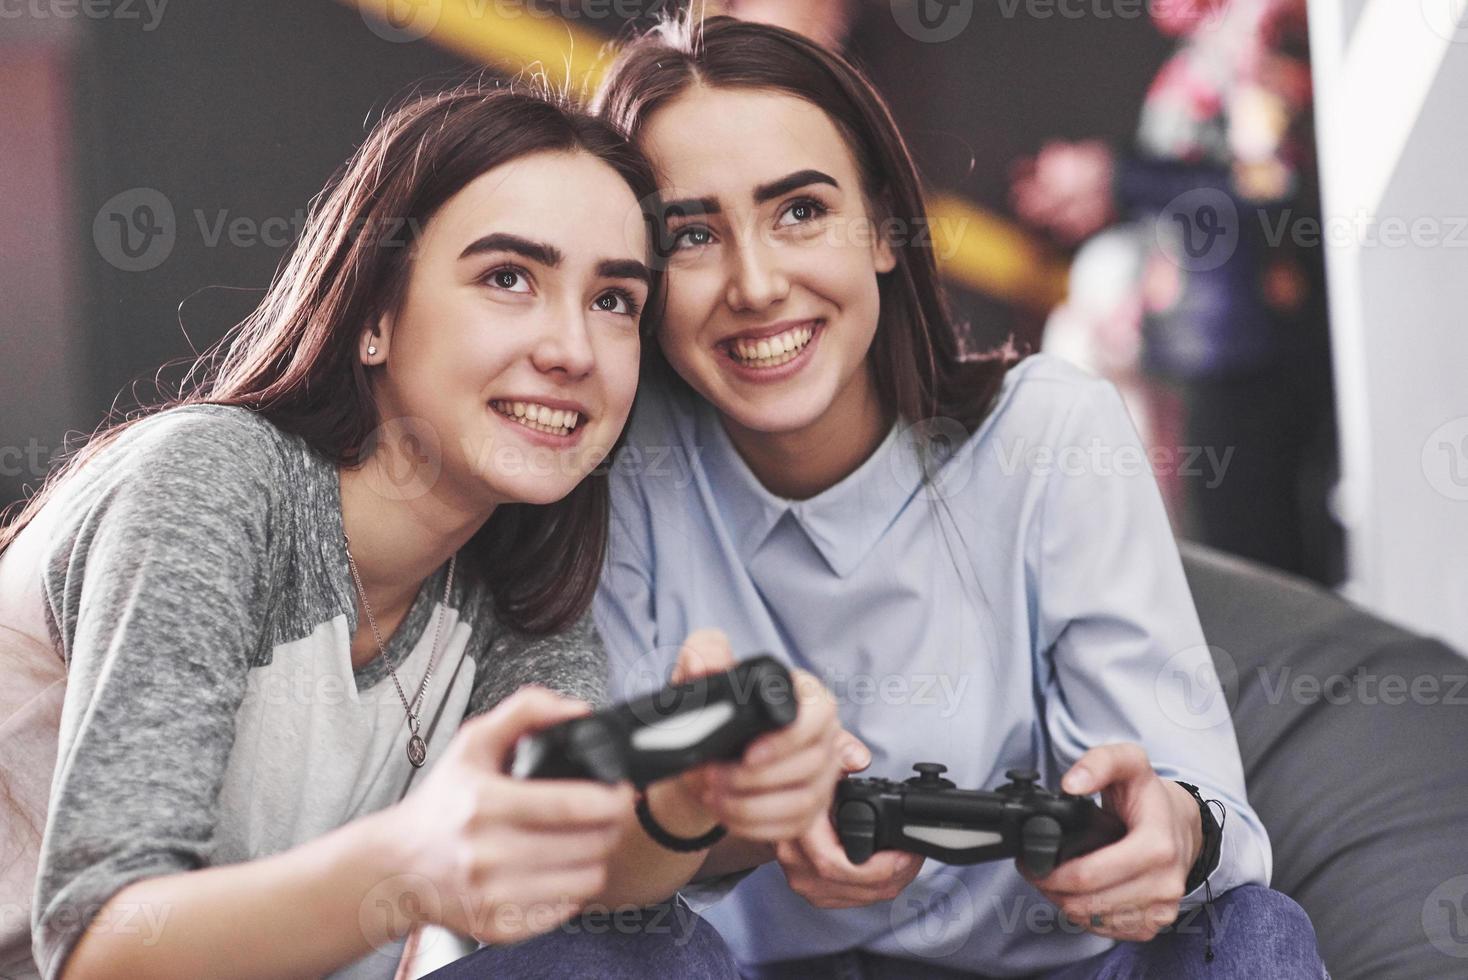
1212	840
682	845
1207	862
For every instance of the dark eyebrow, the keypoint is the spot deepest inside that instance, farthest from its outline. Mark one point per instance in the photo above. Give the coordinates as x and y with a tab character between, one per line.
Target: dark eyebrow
691	207
500	242
551	256
776	188
623	269
695	206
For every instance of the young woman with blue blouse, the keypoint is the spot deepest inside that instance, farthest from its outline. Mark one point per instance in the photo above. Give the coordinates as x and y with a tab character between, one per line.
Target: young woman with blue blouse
971	553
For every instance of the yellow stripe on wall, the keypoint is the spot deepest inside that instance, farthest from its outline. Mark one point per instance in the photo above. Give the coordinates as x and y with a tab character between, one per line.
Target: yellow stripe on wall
501	33
994	256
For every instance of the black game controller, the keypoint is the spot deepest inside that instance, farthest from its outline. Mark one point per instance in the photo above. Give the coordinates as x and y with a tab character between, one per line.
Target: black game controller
928	815
666	733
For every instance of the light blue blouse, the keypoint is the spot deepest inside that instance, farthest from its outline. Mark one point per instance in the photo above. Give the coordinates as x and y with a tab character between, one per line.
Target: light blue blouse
1025	606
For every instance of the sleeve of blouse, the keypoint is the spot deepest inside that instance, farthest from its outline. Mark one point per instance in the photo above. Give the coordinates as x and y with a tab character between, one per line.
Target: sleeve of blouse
1121	652
624	607
158	587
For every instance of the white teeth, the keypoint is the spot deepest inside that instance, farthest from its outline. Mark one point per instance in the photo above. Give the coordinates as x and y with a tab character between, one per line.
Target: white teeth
772	351
558	421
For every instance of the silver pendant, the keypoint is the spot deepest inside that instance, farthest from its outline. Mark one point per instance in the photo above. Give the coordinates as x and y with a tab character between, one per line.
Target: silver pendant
417	751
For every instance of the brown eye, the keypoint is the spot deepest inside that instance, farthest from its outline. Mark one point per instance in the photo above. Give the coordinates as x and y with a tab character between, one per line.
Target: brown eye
618	302
509	278
801	211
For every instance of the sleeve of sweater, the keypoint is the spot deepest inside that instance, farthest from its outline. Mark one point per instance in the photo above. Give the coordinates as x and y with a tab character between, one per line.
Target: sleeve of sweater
158	585
572	662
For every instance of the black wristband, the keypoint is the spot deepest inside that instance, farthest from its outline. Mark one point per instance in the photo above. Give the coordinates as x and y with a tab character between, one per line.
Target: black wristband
682	845
1212	847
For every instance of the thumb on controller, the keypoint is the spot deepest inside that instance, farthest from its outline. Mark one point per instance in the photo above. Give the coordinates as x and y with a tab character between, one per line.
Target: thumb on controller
705	651
854	754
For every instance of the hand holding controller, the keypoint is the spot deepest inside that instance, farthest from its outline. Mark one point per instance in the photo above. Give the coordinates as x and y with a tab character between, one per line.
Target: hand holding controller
929	815
667	733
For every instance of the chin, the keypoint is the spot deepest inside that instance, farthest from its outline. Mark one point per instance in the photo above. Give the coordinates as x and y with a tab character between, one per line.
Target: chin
777	416
527	487
539	494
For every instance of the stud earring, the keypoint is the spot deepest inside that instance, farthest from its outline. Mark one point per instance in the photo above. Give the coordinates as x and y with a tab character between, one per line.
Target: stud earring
371	351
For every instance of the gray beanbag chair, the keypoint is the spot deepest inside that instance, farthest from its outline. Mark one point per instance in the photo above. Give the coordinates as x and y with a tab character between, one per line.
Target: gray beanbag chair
1354	737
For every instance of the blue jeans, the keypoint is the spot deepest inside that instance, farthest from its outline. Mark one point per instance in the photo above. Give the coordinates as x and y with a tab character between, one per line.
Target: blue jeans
668	940
1260	934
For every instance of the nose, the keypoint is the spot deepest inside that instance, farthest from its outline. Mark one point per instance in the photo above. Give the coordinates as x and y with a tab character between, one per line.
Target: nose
756	280
564	345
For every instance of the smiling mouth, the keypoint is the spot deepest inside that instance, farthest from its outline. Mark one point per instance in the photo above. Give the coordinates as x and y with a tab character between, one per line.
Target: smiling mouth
551	421
771	352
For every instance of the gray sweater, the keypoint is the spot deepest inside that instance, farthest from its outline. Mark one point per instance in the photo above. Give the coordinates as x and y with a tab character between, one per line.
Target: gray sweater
194	581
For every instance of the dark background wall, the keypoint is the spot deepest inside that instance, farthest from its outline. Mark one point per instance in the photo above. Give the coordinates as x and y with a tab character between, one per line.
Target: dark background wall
970	106
204	138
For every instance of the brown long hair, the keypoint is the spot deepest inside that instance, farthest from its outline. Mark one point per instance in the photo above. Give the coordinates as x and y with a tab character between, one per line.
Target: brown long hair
917	360
294	360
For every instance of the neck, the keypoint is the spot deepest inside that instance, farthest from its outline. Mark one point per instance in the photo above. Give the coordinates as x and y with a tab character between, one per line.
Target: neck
398	539
801	463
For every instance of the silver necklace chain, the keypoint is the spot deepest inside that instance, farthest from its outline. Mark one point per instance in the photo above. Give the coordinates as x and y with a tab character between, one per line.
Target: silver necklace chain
417	750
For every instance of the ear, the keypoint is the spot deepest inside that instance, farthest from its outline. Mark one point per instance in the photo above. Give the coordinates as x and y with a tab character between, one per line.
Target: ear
376	340
884	257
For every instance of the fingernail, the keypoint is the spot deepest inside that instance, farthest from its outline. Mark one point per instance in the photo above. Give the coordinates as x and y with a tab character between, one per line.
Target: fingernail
761	753
1078	780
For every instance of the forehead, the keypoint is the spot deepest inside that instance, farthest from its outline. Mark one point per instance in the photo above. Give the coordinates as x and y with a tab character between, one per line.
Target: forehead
724	141
568	199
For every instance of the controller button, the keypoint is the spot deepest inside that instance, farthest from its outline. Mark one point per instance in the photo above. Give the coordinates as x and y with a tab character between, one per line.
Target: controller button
856	826
930	776
1041	844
